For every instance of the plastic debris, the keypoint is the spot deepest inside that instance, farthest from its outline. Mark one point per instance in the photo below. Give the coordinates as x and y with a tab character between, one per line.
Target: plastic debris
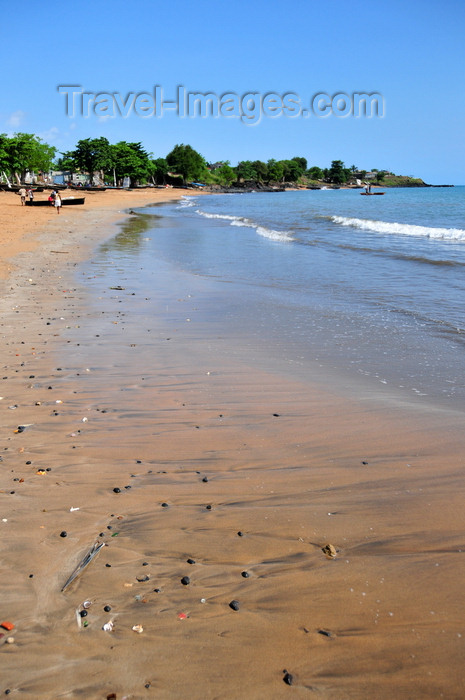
95	549
108	626
7	626
182	616
138	628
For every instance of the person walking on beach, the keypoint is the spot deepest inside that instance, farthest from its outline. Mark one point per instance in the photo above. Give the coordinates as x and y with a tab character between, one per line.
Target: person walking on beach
57	202
30	194
22	194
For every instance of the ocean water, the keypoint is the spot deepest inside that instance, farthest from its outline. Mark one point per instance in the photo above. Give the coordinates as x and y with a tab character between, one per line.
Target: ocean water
370	288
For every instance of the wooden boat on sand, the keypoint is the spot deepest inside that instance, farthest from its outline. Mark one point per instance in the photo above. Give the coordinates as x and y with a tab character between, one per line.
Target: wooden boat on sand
65	201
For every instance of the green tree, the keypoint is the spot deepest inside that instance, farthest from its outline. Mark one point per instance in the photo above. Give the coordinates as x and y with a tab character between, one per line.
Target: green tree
261	170
226	173
275	170
315	173
337	172
91	155
26	152
301	162
130	160
4	165
380	175
187	162
159	170
292	170
245	170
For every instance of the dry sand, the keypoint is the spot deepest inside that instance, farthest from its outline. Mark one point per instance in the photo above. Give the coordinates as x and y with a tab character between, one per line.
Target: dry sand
239	475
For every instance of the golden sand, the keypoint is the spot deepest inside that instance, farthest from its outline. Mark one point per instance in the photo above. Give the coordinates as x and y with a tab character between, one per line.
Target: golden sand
240	478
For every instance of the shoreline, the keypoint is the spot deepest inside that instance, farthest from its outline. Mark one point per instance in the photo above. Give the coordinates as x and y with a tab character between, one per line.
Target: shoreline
290	466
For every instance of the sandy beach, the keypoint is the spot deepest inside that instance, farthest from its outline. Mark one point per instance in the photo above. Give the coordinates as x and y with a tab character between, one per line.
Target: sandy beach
265	535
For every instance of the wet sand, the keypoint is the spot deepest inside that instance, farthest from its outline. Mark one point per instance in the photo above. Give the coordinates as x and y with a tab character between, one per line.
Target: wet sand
230	471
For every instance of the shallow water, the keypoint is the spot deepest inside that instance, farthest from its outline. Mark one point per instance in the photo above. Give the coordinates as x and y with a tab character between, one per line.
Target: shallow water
372	288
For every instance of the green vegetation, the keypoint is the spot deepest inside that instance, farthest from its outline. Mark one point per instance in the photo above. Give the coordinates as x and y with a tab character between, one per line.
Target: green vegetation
21	153
113	163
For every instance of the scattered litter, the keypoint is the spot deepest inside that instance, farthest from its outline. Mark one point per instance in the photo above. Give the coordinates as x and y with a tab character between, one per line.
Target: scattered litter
71	510
182	616
108	626
138	628
41	472
7	625
95	549
84	420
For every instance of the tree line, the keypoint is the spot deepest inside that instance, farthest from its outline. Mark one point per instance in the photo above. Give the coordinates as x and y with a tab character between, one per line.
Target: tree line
22	153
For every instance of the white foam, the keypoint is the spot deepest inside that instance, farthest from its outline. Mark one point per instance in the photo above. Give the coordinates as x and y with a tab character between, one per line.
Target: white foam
451	234
282	236
187	202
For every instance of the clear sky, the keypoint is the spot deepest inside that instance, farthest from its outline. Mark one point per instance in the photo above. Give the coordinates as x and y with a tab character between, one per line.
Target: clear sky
409	51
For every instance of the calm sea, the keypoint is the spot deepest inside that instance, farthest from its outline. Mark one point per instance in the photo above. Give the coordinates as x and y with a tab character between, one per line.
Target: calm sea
372	288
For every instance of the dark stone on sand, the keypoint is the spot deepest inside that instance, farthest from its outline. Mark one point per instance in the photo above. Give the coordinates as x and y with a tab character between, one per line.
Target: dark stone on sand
325	633
29	462
108	566
142	579
240	533
107	608
83	613
191	561
288	678
185	580
117	490
234	605
164	505
205	479
245	574
63	533
276	415
145	563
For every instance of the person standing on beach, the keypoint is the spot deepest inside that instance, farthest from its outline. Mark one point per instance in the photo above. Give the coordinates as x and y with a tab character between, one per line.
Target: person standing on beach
30	194
57	202
22	194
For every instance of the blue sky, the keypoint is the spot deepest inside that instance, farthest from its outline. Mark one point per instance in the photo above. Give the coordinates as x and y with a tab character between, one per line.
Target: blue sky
411	52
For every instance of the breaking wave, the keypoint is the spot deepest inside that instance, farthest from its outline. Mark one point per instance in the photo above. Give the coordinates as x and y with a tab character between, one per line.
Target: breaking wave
282	236
444	234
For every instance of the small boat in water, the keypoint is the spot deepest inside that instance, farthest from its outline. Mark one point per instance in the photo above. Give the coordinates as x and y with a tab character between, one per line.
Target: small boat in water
64	201
368	194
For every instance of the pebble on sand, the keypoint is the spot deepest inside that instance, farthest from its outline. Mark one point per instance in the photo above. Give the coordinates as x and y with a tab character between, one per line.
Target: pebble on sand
330	550
234	605
288	678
